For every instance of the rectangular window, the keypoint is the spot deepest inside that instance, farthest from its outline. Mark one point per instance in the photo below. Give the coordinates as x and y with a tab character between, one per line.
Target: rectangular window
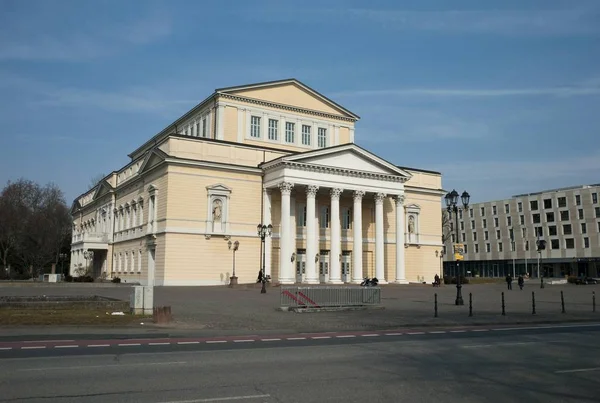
580	213
476	248
597	210
507	208
204	128
547	203
460	214
472	224
305	135
562	202
564	215
509	221
462	225
346	218
550	217
273	129
497	234
487	247
555	244
533	205
552	230
464	237
526	245
511	234
570	243
494	211
495	221
586	242
499	246
290	129
522	219
324	221
255	126
539	231
520	207
486	236
471	213
536	218
301	216
475	236
482	210
583	228
578	200
594	198
197	129
567	230
465	248
322	137
484	222
512	247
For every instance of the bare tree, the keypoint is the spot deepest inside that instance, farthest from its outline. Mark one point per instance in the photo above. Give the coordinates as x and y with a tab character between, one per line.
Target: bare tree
95	179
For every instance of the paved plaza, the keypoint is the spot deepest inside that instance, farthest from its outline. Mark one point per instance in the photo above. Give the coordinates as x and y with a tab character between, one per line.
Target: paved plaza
223	310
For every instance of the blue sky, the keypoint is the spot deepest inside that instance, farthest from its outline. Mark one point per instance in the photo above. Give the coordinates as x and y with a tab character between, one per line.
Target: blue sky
502	97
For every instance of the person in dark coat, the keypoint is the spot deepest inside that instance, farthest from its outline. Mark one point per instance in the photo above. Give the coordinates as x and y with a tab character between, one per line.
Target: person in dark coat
521	281
509	282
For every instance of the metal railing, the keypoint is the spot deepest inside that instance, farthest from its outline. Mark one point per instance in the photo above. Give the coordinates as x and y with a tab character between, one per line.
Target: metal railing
328	297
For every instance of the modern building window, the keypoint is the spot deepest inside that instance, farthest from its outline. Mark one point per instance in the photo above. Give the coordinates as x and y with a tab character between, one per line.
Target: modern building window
564	215
476	248
507	208
578	200
526	245
583	228
460	214
290	132
273	129
586	242
471	213
511	234
598	226
499	246
570	243
536	218
494	211
472	224
465	248
464	237
487	247
597	210
547	203
255	126
552	230
512	247
484	223
462	225
495	221
594	198
550	217
523	231
482	211
580	213
522	219
562	202
539	231
486	235
533	204
322	137
520	207
475	236
497	234
305	135
567	230
509	221
555	243
346	218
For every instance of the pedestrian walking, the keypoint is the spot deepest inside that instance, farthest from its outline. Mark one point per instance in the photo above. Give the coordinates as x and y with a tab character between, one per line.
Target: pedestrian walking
521	281
509	282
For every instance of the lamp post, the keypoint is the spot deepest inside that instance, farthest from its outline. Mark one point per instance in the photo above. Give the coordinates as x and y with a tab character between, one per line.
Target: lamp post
541	245
233	280
452	206
62	257
441	255
263	232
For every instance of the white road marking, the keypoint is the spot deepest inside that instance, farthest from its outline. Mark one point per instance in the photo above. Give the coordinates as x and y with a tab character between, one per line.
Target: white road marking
32	347
128	344
480	330
270	339
220	399
47	341
415	333
370	335
67	346
216	341
188	342
103	366
296	338
159	344
98	345
438	332
320	337
5	348
394	334
568	371
458	331
345	336
243	341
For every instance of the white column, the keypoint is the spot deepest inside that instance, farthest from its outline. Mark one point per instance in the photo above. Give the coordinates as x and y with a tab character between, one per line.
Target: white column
379	246
266	221
400	267
336	238
293	229
357	268
286	274
311	241
220	122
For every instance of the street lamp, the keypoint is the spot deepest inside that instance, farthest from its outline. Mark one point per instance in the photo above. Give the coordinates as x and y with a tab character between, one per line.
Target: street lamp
541	245
441	255
263	232
452	206
233	280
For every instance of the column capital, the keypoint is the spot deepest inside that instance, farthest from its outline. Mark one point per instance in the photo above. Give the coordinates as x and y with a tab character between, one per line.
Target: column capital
358	195
399	200
286	188
311	190
335	193
379	198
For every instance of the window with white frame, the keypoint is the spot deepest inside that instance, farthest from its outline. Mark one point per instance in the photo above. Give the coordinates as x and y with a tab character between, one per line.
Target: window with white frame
322	137
289	132
197	129
324	221
255	126
273	129
204	128
346	218
306	135
301	216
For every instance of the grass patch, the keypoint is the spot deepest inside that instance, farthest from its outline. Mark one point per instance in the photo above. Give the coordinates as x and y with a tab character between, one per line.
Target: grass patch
23	316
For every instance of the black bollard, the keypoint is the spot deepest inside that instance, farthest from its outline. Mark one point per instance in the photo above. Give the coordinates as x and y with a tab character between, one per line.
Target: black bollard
562	301
593	301
435	315
532	302
470	304
503	310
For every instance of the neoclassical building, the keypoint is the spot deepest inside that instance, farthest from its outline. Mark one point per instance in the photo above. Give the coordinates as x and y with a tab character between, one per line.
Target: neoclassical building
276	153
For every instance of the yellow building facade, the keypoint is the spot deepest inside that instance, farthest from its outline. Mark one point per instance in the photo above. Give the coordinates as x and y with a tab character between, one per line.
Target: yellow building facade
275	153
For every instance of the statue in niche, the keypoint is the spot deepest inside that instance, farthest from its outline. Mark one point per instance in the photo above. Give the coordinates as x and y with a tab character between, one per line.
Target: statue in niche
411	228
217	213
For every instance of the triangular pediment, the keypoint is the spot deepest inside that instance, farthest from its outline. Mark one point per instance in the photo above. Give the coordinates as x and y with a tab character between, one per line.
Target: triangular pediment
290	92
348	156
153	158
102	189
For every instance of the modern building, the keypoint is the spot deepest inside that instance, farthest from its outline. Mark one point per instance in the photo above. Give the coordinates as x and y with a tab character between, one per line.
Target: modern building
500	237
275	153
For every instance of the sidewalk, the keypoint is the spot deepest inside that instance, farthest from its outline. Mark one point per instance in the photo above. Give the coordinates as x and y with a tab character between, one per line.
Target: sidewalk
210	311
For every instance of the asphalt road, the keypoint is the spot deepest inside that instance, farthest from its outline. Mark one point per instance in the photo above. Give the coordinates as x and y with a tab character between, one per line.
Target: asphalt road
547	364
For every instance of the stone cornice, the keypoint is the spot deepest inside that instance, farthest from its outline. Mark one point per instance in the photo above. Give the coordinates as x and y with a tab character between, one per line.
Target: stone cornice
290	108
323	169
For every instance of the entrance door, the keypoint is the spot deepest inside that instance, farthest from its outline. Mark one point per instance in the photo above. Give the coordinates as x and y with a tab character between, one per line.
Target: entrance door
300	266
324	266
151	261
346	275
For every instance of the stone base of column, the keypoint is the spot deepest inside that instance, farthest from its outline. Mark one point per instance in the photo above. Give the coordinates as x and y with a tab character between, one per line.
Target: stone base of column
312	281
402	281
358	281
335	282
287	281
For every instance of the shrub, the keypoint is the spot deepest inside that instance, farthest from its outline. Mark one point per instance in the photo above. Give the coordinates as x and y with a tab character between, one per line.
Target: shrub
116	280
452	280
